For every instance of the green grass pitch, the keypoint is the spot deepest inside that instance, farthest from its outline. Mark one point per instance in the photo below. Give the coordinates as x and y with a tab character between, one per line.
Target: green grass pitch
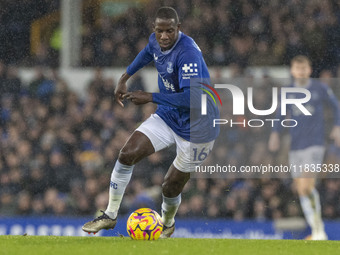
51	245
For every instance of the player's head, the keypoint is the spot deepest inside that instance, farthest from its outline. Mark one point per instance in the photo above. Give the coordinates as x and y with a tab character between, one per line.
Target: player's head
166	27
301	67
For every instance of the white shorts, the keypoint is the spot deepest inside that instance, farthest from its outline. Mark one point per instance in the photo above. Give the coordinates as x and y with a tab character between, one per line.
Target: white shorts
189	155
306	158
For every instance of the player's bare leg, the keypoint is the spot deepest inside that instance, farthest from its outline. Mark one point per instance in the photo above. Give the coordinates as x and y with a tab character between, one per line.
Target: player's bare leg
173	185
310	203
136	148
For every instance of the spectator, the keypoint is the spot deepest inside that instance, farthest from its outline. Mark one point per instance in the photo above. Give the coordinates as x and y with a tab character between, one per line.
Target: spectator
12	83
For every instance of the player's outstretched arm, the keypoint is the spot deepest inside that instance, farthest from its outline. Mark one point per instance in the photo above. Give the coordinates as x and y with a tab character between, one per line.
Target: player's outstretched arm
121	89
335	135
138	97
274	142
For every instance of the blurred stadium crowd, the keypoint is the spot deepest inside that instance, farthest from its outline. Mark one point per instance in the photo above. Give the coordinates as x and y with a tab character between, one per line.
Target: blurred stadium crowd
229	32
57	151
243	33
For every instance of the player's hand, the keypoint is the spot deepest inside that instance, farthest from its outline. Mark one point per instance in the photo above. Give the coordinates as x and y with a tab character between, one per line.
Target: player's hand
274	142
335	135
121	89
138	97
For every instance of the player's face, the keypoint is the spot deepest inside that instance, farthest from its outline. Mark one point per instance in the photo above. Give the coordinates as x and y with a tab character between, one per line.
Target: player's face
166	31
301	70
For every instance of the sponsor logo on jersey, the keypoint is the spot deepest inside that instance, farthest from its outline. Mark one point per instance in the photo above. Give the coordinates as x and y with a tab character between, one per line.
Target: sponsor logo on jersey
189	70
168	85
155	57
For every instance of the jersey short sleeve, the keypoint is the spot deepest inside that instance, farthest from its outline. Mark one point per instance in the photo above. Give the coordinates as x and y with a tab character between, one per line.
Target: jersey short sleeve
189	66
143	58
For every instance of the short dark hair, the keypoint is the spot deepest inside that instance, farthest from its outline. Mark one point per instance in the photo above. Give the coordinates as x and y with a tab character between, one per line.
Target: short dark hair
301	59
167	13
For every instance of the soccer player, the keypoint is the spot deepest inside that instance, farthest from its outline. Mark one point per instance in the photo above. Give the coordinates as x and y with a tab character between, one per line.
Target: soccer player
307	140
179	63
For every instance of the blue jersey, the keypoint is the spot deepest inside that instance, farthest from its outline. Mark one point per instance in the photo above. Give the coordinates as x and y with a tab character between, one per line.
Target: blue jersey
178	69
310	129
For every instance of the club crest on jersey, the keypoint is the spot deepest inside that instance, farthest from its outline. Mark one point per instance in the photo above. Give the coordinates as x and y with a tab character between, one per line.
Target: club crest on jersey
170	68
